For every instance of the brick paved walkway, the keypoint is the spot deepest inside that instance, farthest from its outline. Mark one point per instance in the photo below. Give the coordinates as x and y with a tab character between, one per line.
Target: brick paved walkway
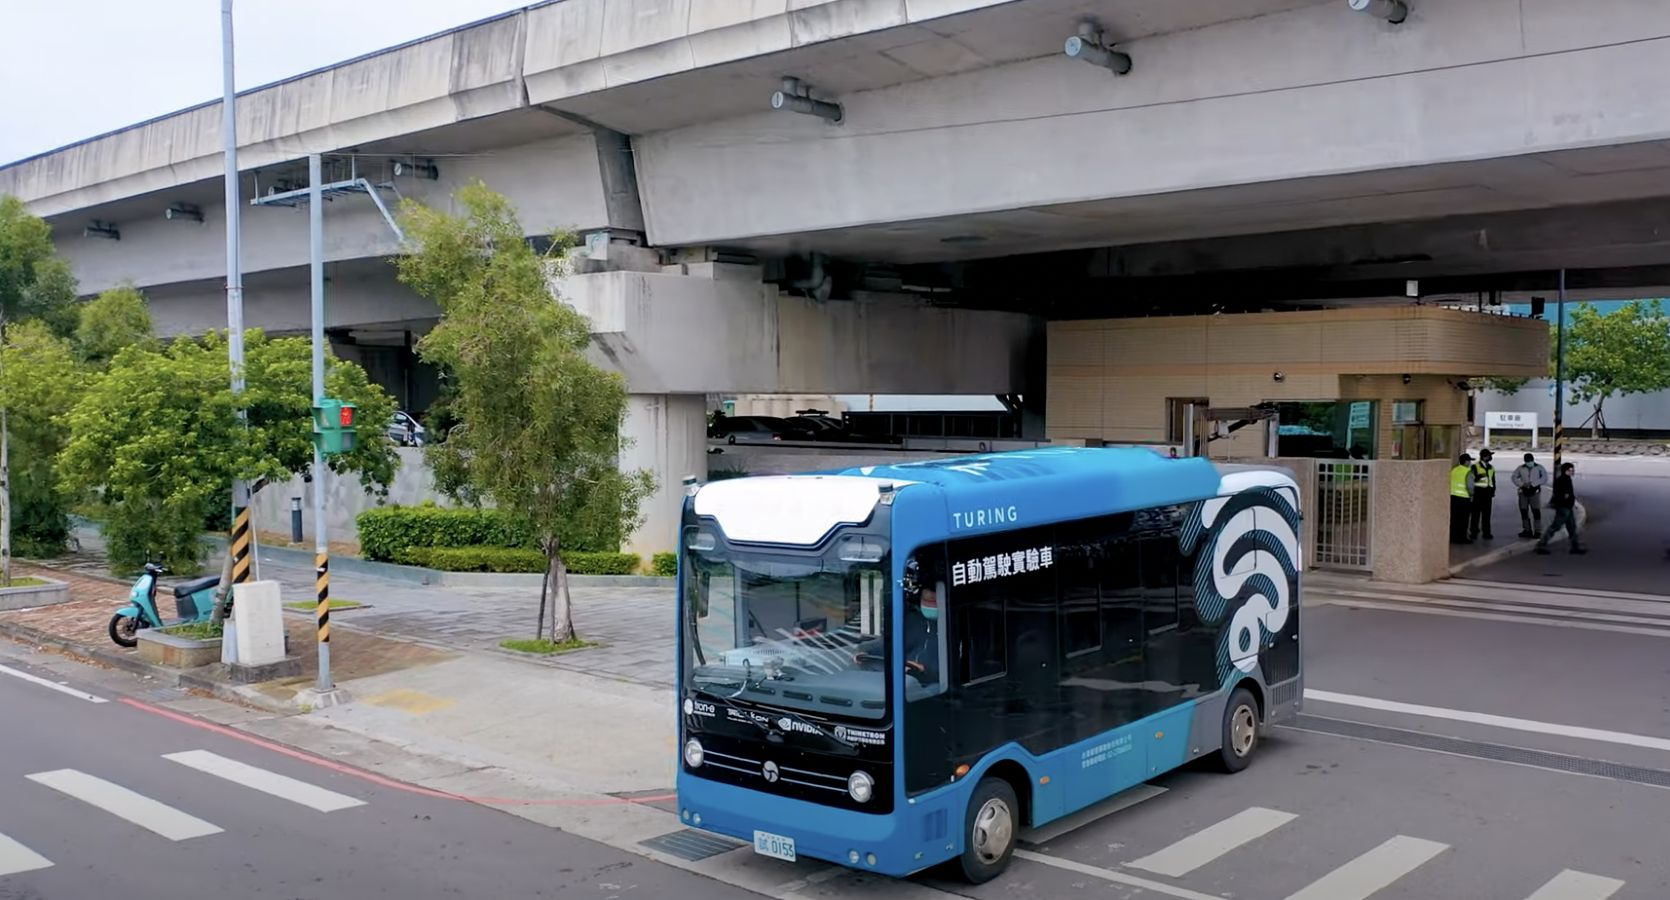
85	619
633	626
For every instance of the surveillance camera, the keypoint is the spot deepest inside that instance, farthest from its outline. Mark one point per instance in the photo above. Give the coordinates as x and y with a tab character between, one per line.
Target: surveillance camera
1393	11
1087	46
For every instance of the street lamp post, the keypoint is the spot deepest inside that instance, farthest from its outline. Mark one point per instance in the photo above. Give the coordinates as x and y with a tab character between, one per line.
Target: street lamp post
241	531
1560	374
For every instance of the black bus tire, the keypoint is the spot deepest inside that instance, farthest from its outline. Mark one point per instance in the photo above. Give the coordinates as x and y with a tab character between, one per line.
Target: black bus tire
989	831
1241	733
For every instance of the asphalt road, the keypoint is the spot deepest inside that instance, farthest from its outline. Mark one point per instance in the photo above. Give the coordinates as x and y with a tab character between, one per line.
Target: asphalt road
89	793
1628	533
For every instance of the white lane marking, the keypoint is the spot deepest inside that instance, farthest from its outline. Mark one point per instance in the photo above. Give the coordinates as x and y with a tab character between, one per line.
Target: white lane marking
1157	887
125	804
1367	874
1457	715
15	857
281	786
1573	885
1213	841
51	685
1655	631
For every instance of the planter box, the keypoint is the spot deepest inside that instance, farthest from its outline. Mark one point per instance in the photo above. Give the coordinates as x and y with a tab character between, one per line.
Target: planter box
177	652
34	595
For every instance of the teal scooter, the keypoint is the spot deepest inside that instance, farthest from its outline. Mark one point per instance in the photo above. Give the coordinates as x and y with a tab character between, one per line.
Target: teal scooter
194	601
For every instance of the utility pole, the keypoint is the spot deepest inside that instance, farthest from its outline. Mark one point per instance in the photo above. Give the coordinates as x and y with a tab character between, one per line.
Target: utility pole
1560	375
239	546
321	544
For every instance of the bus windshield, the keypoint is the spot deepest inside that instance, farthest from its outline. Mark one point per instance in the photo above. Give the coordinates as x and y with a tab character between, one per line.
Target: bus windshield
797	631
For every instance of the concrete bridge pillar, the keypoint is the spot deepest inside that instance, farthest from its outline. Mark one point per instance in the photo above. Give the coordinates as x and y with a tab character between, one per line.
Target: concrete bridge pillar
665	434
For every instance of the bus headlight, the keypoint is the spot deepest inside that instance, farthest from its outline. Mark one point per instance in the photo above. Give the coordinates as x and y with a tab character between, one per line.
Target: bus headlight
693	754
861	786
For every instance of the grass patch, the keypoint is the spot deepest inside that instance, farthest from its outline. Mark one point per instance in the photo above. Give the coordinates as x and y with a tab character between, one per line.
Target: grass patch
544	647
335	605
197	631
23	581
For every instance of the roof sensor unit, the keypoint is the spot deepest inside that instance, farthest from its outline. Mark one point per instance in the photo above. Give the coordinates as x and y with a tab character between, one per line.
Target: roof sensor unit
1393	11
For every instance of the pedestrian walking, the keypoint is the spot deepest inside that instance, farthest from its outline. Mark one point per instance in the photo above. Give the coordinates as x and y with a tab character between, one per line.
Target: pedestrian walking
1461	499
1530	478
1483	474
1564	504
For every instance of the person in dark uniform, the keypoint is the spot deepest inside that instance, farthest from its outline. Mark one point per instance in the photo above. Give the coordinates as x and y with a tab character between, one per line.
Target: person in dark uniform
1483	474
1564	504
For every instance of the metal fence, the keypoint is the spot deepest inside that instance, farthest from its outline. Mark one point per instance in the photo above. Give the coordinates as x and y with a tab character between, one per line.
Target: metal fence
1344	517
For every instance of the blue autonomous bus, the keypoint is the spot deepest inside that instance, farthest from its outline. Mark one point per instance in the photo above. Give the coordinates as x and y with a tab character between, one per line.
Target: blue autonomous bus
899	666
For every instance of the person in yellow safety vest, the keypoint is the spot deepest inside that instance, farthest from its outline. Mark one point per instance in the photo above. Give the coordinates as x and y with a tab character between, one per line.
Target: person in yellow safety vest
1461	499
1484	496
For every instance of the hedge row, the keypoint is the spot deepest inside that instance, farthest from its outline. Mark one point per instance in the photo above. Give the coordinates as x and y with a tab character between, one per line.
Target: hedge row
664	564
388	531
514	559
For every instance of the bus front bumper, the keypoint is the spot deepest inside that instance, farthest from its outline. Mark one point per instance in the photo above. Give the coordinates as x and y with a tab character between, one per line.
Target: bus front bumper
868	842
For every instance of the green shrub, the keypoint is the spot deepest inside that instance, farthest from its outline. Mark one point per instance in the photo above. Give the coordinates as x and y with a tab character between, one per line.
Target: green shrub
726	473
664	565
473	559
514	559
387	531
582	563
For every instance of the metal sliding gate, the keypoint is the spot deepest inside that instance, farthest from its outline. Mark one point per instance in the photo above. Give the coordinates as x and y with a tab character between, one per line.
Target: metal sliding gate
1344	517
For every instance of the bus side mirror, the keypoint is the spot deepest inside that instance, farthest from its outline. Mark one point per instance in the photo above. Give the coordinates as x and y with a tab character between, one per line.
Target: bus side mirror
702	582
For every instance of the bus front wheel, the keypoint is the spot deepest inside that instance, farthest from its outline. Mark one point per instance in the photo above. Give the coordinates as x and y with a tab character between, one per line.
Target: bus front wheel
1240	732
989	833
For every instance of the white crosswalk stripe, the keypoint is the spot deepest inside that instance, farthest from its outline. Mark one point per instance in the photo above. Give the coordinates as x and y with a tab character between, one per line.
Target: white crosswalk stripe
1574	885
264	781
14	858
1214	841
137	808
1367	874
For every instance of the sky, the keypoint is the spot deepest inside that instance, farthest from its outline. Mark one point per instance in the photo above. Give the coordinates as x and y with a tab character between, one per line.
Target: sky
78	68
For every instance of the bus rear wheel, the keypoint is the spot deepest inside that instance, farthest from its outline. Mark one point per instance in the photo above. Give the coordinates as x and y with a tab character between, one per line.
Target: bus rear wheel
989	832
1240	732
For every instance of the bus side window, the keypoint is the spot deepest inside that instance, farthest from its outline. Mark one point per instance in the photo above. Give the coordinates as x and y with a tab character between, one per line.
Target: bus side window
925	626
982	635
1159	582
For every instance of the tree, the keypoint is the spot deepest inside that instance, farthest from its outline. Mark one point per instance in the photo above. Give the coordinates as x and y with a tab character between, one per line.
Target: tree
111	321
156	440
35	285
41	380
539	424
1626	351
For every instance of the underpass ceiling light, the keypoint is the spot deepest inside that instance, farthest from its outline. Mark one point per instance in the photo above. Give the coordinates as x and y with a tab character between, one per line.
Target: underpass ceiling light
796	96
99	229
1089	47
1393	11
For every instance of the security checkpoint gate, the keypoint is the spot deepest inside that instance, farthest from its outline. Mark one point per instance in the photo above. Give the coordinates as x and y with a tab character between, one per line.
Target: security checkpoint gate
1344	514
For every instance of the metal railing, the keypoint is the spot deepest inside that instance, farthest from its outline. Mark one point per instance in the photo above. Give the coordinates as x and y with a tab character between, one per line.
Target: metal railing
1344	514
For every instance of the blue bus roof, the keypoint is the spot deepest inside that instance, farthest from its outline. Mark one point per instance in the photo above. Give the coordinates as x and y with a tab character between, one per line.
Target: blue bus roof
1052	484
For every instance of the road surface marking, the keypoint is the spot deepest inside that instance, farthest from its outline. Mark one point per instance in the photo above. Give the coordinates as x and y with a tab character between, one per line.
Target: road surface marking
407	700
1573	885
1213	841
1457	715
1367	874
280	786
1157	887
125	804
51	685
15	857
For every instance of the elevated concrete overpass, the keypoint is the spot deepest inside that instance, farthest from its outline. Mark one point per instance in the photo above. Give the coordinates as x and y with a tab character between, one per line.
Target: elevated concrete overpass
1261	154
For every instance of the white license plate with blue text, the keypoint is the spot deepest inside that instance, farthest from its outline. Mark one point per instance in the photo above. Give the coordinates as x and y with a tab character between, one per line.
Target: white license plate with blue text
774	845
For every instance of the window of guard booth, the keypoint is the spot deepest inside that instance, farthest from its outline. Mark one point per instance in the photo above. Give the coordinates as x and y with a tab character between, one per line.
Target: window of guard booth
924	624
1329	429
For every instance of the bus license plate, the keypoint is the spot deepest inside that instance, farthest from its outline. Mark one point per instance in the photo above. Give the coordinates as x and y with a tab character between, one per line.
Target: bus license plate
774	845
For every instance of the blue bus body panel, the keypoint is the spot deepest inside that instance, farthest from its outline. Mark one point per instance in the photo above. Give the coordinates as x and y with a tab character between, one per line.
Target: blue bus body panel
928	829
